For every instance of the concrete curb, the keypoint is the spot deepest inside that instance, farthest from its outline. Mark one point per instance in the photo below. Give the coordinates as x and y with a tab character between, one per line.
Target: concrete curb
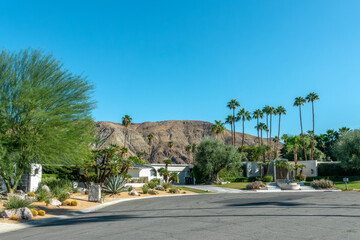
7	227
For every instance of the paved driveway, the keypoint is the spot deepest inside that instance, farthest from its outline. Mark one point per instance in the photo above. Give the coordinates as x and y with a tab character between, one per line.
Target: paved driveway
267	216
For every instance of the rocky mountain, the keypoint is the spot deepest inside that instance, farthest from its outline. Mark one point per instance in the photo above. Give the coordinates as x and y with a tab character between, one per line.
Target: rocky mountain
181	133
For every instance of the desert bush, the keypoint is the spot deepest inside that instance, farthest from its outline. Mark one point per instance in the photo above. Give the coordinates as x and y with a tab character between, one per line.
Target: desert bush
160	188
62	196
145	189
74	190
130	188
34	212
173	190
16	202
255	185
42	195
152	185
153	192
57	185
167	185
268	178
115	184
42	212
74	203
322	183
301	177
157	181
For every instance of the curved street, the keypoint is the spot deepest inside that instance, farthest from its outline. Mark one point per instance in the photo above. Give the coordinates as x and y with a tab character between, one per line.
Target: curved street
302	216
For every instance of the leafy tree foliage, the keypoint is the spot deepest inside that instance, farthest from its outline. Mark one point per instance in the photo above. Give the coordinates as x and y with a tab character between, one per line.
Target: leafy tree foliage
45	113
347	150
212	156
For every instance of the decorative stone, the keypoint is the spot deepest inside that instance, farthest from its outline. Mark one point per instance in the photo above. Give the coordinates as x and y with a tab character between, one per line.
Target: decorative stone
46	188
20	192
21	213
74	184
94	193
134	193
55	202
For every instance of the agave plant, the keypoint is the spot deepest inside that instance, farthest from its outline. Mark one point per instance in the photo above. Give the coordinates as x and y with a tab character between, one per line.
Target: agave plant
115	184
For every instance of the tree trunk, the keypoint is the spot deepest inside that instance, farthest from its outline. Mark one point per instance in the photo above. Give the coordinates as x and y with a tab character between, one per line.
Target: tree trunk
243	136
295	159
234	125
313	133
232	138
302	134
267	133
257	127
125	137
270	137
277	143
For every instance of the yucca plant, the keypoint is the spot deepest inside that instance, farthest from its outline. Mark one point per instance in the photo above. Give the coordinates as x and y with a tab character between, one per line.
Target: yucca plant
115	184
16	202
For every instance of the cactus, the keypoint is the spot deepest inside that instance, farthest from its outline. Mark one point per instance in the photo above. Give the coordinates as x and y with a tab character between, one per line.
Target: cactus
115	184
68	202
74	203
42	212
31	194
34	212
14	217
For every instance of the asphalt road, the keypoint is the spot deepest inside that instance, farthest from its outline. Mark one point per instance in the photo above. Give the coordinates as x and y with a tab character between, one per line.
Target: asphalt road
246	216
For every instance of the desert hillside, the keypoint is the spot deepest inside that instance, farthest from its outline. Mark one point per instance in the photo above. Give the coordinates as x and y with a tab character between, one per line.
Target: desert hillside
181	133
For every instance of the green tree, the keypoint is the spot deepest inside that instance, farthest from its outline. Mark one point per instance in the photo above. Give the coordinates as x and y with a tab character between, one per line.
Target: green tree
294	143
126	121
232	105
300	101
244	116
261	127
230	119
347	150
150	140
343	131
218	128
258	114
45	113
312	97
212	156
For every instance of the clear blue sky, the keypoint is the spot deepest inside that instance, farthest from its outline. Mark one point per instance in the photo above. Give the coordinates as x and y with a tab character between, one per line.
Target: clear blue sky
184	60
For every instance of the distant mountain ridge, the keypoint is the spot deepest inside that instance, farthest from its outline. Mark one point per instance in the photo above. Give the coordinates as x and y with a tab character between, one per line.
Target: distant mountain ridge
181	133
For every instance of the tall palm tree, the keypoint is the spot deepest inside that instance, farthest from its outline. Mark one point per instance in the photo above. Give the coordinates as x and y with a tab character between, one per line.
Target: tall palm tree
258	114
262	127
244	116
300	101
218	128
312	97
280	110
193	150
230	120
150	139
126	121
170	145
293	143
267	110
167	161
233	104
343	130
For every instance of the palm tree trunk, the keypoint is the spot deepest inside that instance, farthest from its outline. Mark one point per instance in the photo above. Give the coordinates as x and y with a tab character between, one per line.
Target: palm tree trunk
313	133
258	131
232	138
302	134
277	143
234	124
243	136
270	137
267	133
149	152
125	137
295	159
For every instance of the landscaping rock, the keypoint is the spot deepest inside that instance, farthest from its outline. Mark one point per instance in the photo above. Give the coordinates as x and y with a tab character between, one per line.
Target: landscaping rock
74	184
134	193
22	196
20	192
21	213
94	193
46	188
55	202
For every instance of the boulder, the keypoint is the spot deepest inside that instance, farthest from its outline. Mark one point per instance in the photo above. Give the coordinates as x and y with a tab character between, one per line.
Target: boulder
94	193
21	213
134	193
55	202
46	188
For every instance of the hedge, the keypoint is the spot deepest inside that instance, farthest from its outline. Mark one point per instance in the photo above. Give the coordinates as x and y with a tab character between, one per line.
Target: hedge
240	179
334	178
329	169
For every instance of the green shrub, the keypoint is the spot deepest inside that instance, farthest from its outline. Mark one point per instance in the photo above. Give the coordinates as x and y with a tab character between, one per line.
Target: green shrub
152	185
130	188
56	184
42	195
301	178
62	196
160	188
268	178
74	190
115	184
255	185
145	189
15	202
167	186
322	183
173	190
157	181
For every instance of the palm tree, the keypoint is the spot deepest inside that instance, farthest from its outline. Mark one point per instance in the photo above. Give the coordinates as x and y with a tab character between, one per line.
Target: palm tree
174	177
218	128
243	115
188	150
300	101
280	111
233	104
123	151
262	127
267	110
343	130
193	150
150	138
164	173
293	143
230	120
167	161
312	97
258	114
126	121
170	145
